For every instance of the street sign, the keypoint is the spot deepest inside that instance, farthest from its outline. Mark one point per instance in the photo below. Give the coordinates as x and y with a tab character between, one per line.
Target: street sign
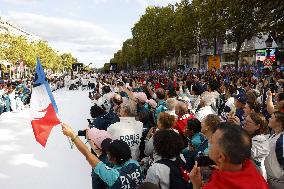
214	62
268	63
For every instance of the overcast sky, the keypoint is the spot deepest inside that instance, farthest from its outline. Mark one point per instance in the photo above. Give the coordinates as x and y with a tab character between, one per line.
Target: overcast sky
92	30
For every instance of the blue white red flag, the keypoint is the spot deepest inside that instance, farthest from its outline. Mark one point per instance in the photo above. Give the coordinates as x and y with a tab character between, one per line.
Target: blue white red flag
42	107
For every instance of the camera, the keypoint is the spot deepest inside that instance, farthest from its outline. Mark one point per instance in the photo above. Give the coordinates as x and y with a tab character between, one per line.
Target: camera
272	87
91	95
84	132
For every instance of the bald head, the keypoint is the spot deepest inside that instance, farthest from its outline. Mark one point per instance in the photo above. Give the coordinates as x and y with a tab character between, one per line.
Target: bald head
181	108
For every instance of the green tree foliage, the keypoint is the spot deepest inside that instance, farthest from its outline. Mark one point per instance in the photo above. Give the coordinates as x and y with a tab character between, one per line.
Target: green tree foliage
165	31
17	48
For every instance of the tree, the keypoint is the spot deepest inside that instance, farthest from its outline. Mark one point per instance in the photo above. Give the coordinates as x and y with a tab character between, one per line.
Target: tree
17	48
67	60
184	27
272	18
242	22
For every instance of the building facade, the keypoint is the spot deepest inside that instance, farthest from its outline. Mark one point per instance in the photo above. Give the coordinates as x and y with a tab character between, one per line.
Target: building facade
7	27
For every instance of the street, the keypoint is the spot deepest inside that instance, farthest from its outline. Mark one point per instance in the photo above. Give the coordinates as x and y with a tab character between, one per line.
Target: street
26	164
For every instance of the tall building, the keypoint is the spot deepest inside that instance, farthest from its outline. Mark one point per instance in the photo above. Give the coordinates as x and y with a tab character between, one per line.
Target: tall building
7	27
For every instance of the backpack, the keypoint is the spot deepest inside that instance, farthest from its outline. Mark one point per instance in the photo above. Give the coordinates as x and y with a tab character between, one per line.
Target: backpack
178	173
129	177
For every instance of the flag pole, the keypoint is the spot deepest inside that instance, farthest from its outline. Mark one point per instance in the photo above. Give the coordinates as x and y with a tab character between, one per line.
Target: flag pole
69	141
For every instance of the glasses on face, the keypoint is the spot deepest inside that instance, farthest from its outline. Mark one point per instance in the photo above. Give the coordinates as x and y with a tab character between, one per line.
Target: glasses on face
250	122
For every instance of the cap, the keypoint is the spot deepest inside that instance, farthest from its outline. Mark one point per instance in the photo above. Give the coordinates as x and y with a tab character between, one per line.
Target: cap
141	96
117	148
97	136
152	103
241	97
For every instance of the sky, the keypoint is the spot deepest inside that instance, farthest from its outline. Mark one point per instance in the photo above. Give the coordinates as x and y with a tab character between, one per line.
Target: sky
92	30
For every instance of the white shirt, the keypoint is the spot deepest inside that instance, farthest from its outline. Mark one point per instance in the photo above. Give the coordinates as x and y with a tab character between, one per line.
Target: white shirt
259	151
159	174
203	112
130	131
172	112
273	168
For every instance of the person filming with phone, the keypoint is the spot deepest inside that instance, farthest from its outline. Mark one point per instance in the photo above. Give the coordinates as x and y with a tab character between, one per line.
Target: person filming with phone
230	149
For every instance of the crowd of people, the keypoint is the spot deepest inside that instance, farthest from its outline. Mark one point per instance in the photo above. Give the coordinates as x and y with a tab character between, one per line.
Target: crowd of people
163	129
14	95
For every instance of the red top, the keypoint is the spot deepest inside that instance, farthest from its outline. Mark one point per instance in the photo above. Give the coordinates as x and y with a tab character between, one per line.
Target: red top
181	123
248	178
157	85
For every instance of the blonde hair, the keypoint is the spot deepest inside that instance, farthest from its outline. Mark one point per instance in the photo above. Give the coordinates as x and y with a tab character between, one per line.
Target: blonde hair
212	121
166	120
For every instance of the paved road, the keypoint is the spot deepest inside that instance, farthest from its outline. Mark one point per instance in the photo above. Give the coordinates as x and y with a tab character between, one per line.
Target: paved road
26	164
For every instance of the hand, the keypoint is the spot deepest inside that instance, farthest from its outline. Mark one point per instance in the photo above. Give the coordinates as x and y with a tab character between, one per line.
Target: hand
150	133
235	120
195	176
269	94
67	131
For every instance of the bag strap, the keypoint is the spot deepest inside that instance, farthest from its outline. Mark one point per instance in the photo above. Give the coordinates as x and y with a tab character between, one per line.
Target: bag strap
173	165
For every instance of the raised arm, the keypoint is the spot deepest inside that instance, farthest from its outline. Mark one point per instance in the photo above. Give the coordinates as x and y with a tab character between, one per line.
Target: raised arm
91	158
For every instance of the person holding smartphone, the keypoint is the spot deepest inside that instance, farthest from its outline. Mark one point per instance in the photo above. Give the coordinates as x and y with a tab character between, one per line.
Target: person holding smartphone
230	150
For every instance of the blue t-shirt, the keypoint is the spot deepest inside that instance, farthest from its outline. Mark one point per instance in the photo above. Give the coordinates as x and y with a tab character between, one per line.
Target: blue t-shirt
240	113
161	107
196	140
97	182
119	177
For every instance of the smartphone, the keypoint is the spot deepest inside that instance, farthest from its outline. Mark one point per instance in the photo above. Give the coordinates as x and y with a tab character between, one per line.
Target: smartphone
204	161
90	95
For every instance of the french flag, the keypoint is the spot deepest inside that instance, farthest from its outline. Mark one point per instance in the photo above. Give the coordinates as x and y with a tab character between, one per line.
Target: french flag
43	108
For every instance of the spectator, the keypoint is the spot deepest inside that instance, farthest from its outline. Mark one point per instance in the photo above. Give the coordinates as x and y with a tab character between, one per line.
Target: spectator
230	150
205	106
181	111
165	122
208	127
168	144
127	129
192	131
126	172
240	102
279	98
102	119
95	139
170	104
252	107
255	125
274	162
161	107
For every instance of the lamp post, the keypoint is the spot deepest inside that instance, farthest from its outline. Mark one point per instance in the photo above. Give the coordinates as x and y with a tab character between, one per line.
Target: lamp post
268	43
